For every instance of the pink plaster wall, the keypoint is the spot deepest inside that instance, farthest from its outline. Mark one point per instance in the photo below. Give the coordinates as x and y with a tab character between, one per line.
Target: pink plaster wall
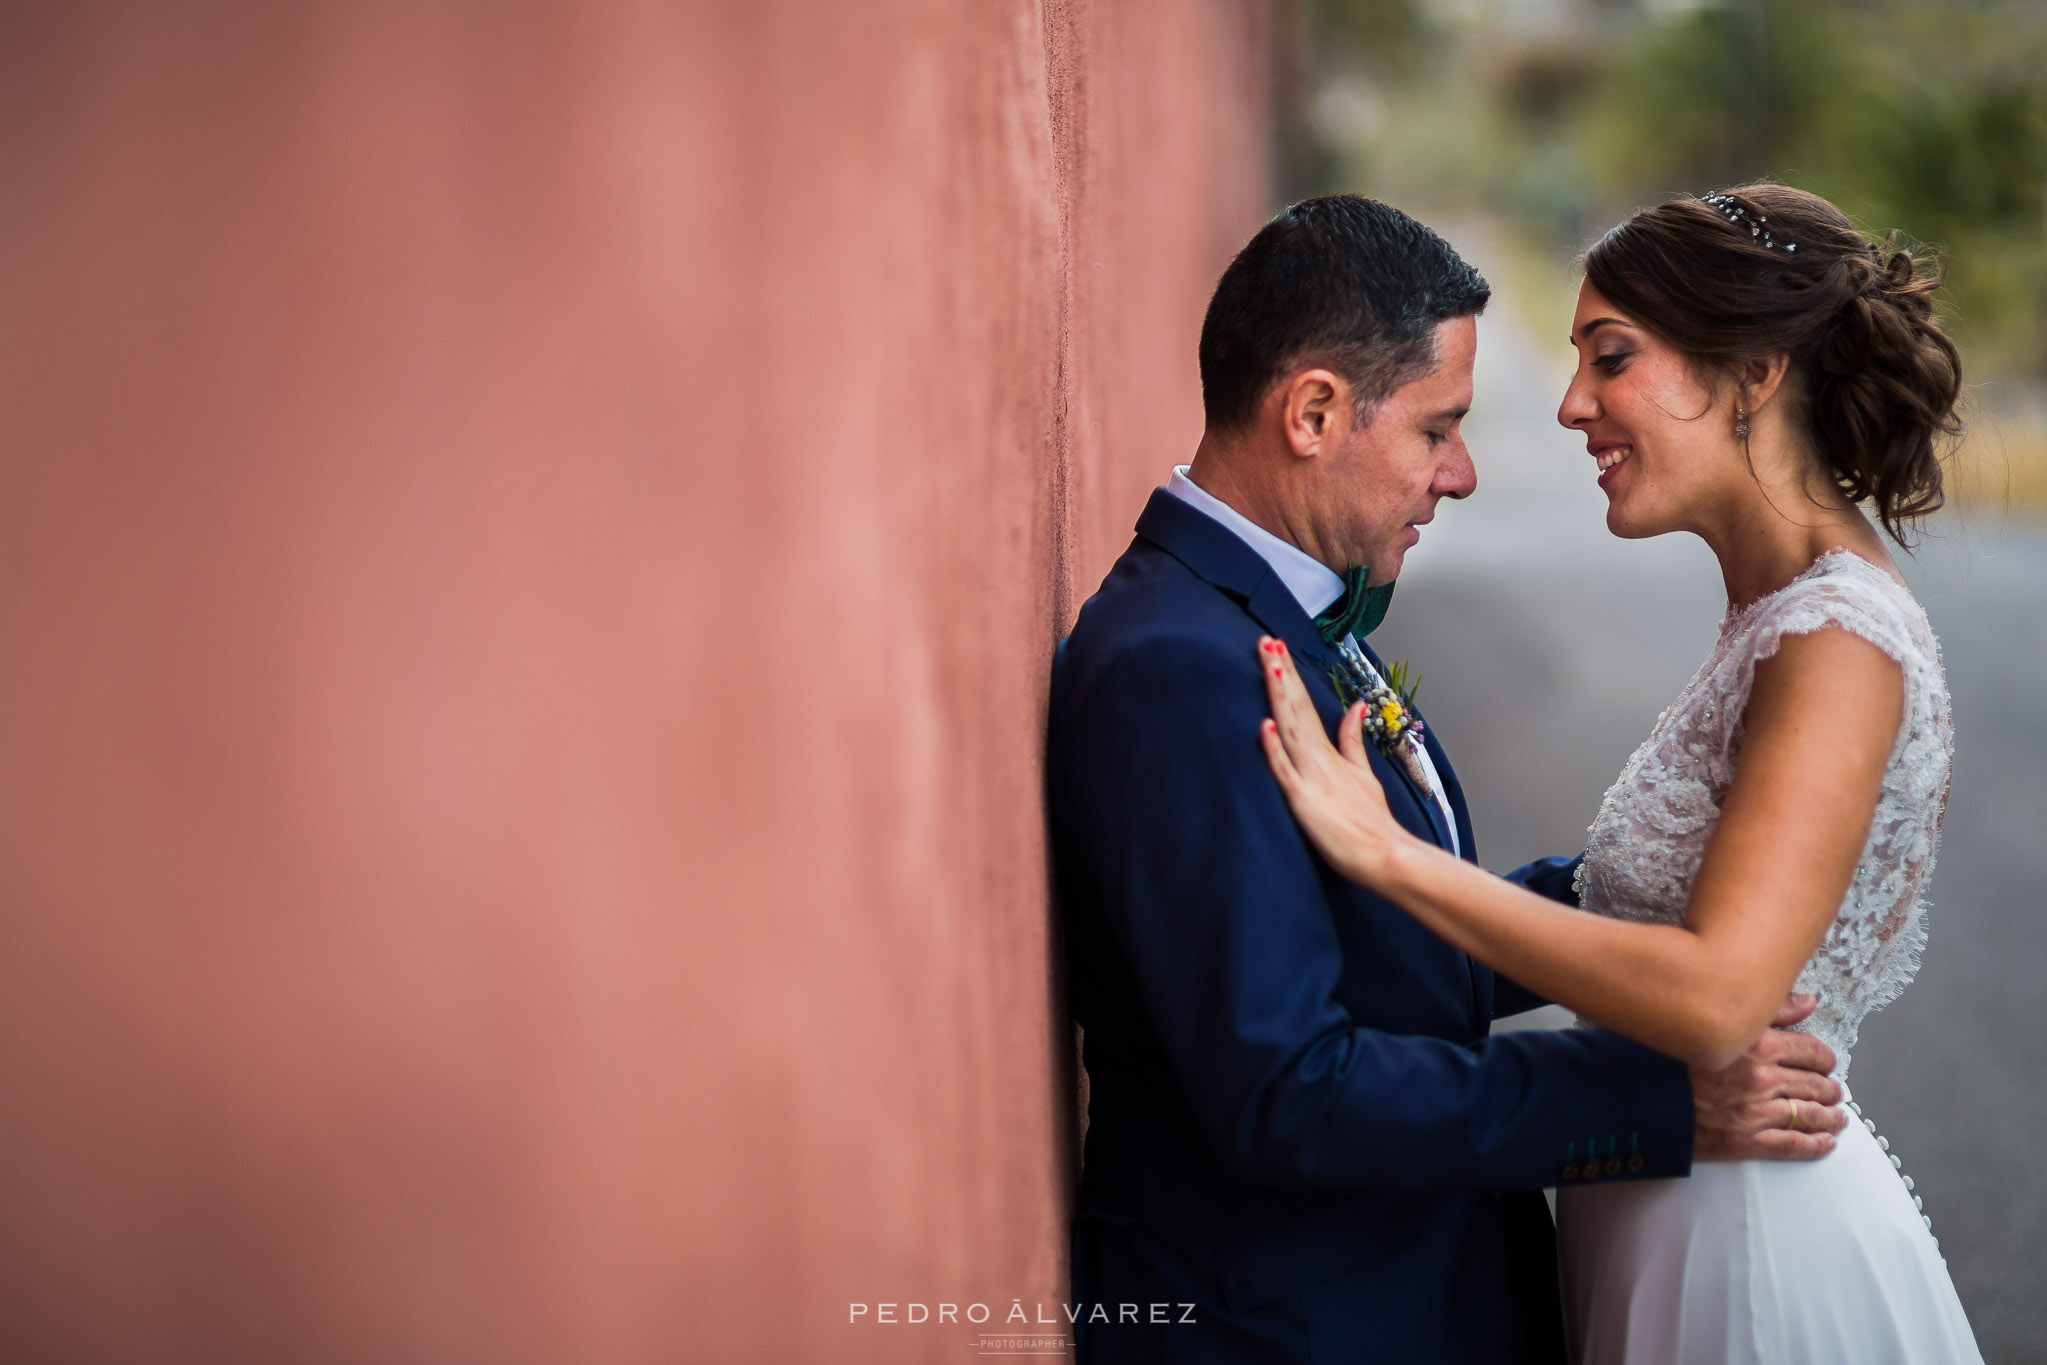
530	541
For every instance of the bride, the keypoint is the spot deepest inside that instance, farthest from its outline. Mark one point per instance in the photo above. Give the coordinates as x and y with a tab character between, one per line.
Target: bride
1750	369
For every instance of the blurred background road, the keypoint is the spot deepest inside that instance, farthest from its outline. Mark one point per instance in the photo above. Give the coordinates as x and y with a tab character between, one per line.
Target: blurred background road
1547	648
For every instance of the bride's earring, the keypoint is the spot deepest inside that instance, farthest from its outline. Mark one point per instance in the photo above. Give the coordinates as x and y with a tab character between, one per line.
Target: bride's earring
1741	424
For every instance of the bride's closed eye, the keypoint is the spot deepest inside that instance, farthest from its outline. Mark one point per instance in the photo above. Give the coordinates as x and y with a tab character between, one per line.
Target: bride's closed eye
1612	362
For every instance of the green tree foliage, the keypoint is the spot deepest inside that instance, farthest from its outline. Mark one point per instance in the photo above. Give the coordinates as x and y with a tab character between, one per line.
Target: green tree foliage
1926	118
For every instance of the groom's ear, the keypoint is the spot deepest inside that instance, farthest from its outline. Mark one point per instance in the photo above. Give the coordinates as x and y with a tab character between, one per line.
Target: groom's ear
1311	409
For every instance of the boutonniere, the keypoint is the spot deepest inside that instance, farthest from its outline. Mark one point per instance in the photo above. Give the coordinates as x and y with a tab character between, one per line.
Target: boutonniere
1390	722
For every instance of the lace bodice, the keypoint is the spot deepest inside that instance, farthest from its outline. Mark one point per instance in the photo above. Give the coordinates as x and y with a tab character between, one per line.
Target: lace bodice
1644	848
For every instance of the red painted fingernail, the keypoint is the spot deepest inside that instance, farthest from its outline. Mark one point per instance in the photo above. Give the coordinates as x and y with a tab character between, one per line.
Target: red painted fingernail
1278	672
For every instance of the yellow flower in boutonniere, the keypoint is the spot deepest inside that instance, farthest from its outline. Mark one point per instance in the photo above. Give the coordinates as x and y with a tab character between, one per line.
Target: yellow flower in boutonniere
1389	720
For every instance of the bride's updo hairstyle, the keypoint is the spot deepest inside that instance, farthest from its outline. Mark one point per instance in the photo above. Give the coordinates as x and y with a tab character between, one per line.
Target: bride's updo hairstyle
1761	269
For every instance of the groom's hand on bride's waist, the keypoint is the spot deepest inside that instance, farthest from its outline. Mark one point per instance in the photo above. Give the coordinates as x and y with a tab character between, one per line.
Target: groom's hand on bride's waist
1776	1102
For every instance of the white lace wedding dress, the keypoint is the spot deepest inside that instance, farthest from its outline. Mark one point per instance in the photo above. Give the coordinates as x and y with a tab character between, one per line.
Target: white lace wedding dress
1760	1262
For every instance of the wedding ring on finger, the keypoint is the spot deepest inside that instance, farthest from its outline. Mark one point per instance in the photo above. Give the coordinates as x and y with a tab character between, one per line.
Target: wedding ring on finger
1792	1122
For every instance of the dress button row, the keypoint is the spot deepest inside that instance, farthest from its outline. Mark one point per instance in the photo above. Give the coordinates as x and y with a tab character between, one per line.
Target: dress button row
1884	1145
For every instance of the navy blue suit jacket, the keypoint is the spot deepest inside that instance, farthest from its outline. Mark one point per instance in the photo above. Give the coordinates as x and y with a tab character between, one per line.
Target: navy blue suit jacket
1298	1123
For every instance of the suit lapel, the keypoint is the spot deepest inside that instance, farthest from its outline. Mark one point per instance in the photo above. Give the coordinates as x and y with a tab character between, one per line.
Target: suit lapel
1480	977
1218	555
1453	789
1438	818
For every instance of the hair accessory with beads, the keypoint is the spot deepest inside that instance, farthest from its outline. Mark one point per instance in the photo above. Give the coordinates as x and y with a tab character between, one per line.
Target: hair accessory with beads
1738	215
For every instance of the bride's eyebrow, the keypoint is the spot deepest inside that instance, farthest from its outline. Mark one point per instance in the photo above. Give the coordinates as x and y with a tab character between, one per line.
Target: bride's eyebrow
1589	328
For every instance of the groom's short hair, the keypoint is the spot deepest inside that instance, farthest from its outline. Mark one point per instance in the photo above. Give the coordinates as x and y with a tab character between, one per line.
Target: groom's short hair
1341	281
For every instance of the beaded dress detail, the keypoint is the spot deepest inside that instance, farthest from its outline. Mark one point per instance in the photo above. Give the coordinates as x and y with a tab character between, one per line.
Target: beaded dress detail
1644	848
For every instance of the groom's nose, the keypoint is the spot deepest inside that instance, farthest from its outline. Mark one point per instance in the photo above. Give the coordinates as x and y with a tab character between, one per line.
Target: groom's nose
1456	475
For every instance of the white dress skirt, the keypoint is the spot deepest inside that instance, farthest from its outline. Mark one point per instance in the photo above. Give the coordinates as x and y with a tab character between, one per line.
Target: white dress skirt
1759	1263
1763	1262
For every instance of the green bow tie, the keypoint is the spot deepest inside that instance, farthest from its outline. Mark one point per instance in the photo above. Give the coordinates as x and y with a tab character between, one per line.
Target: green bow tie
1358	612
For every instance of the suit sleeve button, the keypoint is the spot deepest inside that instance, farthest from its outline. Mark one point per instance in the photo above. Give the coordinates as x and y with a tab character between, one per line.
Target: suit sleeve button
1613	1165
1637	1162
1568	1171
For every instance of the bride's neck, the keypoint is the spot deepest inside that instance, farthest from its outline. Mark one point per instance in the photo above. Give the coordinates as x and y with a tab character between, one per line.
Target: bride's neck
1776	532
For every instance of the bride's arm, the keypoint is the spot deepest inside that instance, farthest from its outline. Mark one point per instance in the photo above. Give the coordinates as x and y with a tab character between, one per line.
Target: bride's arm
1821	721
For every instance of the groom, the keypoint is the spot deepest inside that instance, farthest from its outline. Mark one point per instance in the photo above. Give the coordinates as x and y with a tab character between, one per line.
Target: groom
1303	1144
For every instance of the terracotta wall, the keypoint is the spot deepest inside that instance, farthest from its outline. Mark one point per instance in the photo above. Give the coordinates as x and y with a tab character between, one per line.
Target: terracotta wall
530	540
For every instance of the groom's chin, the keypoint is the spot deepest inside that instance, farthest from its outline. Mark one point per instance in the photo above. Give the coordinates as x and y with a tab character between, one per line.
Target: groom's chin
1387	563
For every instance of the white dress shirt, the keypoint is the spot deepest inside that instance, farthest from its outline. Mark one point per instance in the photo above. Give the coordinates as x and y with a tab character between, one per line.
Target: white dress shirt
1314	585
